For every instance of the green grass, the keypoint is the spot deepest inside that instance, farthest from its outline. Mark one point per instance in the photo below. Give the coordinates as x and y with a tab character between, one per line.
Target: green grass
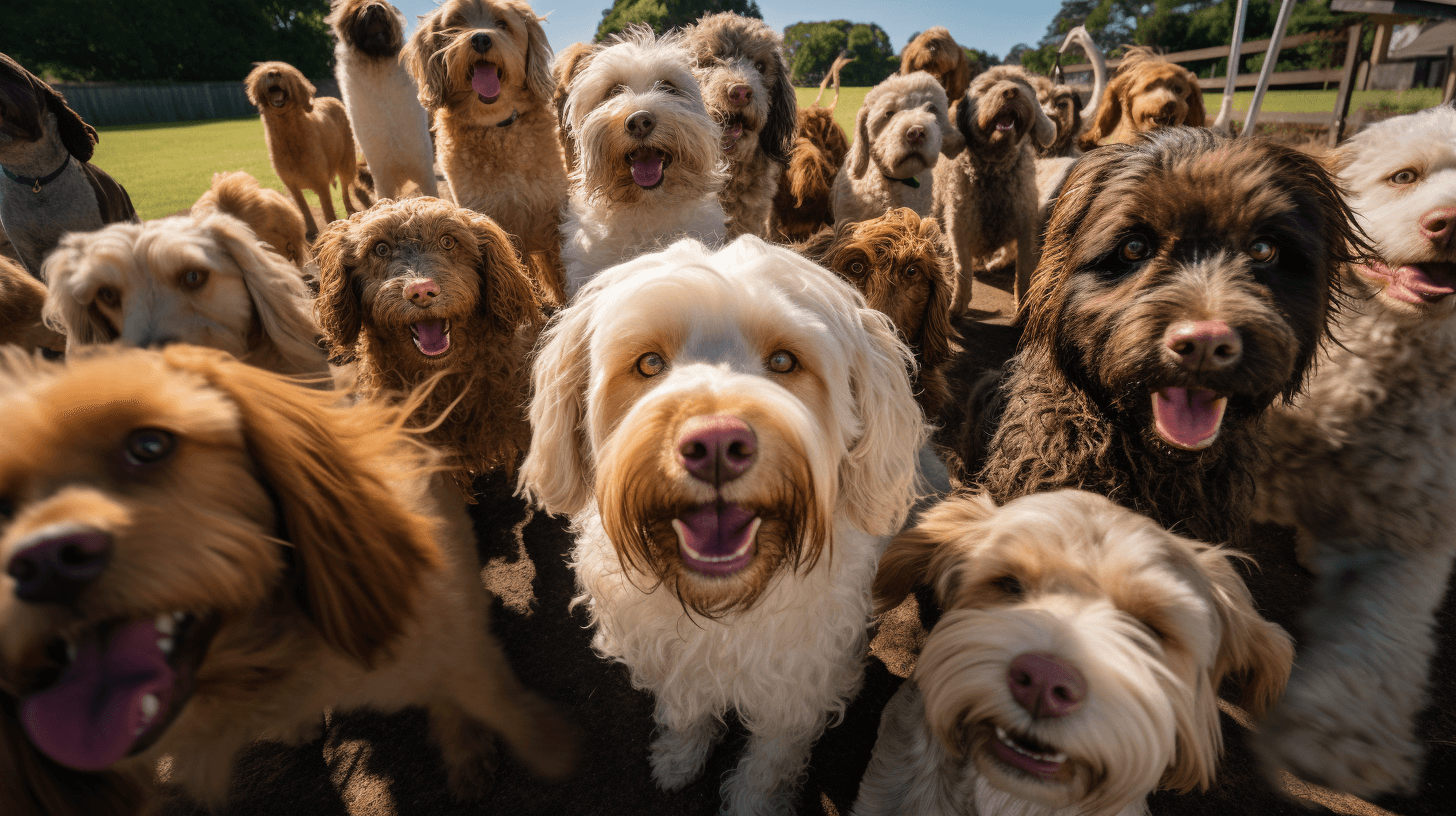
165	167
1324	101
849	101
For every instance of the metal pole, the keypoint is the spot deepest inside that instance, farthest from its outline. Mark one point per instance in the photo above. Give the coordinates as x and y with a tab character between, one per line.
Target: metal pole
1224	122
1271	58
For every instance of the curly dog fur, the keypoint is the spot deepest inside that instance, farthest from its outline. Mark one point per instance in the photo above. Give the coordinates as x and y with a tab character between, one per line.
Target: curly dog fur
266	212
937	53
1146	93
801	204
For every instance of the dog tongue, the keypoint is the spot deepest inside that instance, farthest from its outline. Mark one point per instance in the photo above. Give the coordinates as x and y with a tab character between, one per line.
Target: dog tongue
1006	122
486	81
93	715
647	167
1188	418
432	337
717	539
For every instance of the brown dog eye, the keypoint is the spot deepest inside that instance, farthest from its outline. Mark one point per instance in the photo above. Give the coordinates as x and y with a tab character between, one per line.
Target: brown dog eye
502	24
1404	177
912	271
193	278
381	249
782	362
650	364
760	66
857	268
108	296
447	242
149	445
1263	250
1134	249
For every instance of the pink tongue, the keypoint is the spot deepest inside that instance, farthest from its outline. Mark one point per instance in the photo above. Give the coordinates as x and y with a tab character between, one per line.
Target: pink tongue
1025	762
1188	418
486	81
647	171
734	132
714	532
91	718
1005	123
1430	281
432	337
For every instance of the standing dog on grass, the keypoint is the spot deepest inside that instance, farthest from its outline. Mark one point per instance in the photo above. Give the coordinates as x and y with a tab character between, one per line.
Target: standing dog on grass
309	140
381	97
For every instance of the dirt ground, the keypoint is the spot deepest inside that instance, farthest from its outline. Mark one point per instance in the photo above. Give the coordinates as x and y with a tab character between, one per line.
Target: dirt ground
372	765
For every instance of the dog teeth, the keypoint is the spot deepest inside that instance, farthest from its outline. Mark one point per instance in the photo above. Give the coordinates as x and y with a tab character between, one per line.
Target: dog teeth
165	624
165	644
1006	740
150	706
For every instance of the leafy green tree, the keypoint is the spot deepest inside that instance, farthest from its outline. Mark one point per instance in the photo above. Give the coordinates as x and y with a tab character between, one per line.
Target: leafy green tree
810	49
663	15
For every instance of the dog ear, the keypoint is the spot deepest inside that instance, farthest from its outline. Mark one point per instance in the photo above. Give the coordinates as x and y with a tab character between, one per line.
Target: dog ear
64	271
32	785
555	474
1261	651
1197	115
424	58
936	331
858	160
960	78
280	299
337	308
952	142
253	87
78	137
539	78
1109	114
924	554
816	247
304	90
507	296
1043	129
777	137
360	549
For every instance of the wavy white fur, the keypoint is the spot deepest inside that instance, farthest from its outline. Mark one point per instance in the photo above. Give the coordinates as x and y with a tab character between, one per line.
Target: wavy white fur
790	660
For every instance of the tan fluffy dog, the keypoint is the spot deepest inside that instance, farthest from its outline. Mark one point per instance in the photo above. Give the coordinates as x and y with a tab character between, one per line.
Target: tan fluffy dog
484	68
1148	92
900	263
309	140
208	553
203	280
569	61
276	223
801	205
21	299
421	288
937	53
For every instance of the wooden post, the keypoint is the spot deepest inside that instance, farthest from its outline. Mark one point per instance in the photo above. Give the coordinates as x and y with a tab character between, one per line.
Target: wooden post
1450	84
1271	59
1347	86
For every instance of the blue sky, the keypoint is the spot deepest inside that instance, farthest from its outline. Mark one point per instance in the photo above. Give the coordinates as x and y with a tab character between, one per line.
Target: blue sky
990	25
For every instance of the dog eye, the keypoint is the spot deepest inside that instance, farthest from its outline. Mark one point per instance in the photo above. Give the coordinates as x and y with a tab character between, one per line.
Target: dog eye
912	271
192	278
857	269
650	364
1404	177
782	362
502	24
1010	585
667	87
7	509
616	90
760	66
1263	250
447	242
381	249
108	296
1135	248
148	445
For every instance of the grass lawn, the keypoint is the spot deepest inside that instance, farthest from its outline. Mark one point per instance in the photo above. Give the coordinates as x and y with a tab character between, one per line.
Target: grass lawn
849	101
1324	101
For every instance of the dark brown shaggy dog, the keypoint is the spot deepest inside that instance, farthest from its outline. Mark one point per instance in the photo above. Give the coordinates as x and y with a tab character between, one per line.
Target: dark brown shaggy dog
801	205
746	88
1147	93
421	288
900	263
1184	286
938	54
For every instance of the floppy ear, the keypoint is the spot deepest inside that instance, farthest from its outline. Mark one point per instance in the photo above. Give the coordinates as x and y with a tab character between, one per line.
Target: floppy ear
253	86
1261	651
555	474
81	323
1110	112
78	137
424	58
1043	129
361	550
923	555
337	308
936	331
32	785
1197	115
507	297
877	476
952	141
777	138
280	299
858	160
304	90
959	80
538	55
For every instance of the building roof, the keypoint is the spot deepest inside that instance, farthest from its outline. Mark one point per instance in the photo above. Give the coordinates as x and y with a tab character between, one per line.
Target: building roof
1432	42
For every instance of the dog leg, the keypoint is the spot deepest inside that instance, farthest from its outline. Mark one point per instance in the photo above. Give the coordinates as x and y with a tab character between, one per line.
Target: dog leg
468	748
306	210
1027	255
681	748
489	693
1347	720
766	779
326	202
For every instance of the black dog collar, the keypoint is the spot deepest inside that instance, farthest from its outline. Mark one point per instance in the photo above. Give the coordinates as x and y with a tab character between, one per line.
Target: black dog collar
912	182
515	114
36	183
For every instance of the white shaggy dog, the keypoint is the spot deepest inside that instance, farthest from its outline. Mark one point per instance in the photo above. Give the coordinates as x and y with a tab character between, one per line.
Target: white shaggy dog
649	167
381	97
1077	666
1365	470
900	132
734	435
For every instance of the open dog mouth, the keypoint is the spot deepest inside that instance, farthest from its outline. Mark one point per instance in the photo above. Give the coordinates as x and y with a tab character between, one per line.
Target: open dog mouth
117	689
1188	418
431	337
733	128
717	538
1428	282
277	97
485	79
1006	120
649	166
1025	754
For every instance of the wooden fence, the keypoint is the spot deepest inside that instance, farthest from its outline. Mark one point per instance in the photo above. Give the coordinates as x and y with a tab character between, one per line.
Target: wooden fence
104	104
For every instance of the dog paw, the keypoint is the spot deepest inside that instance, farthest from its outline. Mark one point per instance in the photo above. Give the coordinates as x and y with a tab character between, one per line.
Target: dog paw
473	779
740	798
678	759
1339	743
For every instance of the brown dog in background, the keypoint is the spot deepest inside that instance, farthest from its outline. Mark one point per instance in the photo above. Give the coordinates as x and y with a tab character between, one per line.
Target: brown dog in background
937	53
21	299
276	222
801	206
1148	92
309	140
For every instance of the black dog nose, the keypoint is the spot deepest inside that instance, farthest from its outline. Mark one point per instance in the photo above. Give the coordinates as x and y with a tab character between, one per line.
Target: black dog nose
480	42
56	568
640	124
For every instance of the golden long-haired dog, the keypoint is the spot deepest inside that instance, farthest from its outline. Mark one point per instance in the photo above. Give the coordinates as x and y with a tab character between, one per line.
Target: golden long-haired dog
801	205
276	222
569	61
937	53
901	264
21	299
484	69
309	140
203	280
1146	93
420	288
207	553
1077	667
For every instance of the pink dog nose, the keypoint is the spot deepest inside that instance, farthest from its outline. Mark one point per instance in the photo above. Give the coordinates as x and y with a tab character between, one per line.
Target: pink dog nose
1046	685
915	135
54	570
1204	345
739	95
1439	225
717	449
422	293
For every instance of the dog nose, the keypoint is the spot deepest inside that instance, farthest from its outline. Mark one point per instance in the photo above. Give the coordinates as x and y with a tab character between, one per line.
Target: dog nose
1008	94
739	95
480	41
640	124
1438	225
1204	344
717	449
422	293
56	568
1046	685
915	135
